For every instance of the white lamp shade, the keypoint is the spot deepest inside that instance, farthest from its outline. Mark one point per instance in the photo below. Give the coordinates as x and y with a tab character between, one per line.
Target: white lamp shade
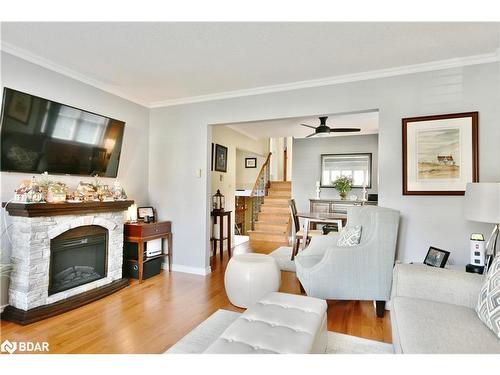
482	202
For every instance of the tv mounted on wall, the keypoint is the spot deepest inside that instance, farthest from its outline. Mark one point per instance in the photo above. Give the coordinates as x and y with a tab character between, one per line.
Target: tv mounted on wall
39	135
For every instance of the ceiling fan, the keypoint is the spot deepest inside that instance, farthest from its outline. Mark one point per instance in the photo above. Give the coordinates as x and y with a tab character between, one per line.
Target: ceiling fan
323	130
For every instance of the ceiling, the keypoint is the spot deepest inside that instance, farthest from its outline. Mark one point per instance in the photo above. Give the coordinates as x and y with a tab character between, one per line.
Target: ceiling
167	63
290	127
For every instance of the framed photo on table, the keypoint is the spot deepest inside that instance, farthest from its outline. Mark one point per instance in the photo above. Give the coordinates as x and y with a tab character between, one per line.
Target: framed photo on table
440	154
146	211
436	257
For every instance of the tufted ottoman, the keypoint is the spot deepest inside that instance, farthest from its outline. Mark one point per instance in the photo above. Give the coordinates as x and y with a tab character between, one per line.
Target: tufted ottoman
278	324
249	277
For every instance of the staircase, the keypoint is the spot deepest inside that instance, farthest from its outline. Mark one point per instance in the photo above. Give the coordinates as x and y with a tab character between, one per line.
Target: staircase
273	221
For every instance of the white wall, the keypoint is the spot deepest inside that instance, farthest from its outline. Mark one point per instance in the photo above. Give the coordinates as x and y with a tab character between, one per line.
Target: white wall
277	167
183	131
245	177
133	171
289	155
307	164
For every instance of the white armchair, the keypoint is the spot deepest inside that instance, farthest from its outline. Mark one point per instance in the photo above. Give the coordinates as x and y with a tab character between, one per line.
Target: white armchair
362	272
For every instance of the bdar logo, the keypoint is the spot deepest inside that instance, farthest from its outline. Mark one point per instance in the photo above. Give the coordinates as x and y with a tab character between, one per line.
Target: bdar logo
9	347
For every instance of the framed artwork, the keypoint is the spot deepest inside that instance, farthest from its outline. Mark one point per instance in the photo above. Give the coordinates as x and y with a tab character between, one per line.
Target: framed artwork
146	211
440	154
220	158
436	257
20	107
250	162
212	158
356	166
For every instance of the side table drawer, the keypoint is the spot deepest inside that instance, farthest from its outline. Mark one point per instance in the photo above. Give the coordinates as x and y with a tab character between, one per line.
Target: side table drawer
156	228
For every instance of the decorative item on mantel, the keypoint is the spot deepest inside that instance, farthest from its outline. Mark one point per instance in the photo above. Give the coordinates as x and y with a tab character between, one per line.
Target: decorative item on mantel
343	185
119	192
318	190
29	192
85	192
56	192
46	190
218	202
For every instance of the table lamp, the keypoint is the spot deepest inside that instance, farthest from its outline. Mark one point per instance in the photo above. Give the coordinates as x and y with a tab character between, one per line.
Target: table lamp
482	203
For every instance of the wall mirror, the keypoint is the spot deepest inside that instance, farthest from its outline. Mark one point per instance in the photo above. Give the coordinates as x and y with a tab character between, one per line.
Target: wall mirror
356	166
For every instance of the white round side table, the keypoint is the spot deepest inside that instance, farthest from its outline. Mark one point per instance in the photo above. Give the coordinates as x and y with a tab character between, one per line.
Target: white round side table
249	277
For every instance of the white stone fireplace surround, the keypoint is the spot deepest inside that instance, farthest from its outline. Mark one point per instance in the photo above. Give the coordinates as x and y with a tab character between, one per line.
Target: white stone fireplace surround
31	255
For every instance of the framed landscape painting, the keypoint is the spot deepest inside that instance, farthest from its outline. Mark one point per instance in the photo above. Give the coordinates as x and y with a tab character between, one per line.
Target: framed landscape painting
440	154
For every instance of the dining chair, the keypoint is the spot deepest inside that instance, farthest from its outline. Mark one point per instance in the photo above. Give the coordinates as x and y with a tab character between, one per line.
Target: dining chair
298	233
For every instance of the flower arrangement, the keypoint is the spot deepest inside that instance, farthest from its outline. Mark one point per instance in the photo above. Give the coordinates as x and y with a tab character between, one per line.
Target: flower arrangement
343	185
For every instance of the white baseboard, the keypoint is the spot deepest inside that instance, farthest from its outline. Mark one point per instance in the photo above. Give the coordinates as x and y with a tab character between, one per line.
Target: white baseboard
186	269
3	307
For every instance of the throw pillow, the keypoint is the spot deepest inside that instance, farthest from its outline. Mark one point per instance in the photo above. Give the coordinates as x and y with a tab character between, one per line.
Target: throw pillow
349	236
488	305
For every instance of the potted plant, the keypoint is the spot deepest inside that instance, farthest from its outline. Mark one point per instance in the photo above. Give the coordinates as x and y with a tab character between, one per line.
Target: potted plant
343	185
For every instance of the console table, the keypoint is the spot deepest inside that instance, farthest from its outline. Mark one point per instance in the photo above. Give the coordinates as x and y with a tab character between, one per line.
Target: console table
140	233
336	206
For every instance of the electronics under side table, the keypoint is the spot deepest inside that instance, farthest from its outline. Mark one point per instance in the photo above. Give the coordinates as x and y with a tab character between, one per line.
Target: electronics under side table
141	232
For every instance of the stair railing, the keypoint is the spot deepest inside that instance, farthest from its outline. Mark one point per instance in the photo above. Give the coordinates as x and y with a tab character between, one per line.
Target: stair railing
259	191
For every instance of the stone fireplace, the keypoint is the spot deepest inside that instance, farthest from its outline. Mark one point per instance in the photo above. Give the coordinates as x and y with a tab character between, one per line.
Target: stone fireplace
63	255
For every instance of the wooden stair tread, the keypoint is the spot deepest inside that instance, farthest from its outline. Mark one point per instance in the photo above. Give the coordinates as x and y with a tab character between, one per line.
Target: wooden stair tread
274	220
281	228
276	209
271	222
277	205
275	214
265	231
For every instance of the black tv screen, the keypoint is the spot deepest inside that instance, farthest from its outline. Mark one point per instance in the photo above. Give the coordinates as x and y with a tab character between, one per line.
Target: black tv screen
39	135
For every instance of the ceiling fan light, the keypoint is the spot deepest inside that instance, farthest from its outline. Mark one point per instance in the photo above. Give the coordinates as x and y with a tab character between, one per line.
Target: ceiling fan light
323	130
322	135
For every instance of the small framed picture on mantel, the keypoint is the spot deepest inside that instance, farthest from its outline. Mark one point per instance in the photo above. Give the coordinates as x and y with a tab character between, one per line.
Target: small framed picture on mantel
440	154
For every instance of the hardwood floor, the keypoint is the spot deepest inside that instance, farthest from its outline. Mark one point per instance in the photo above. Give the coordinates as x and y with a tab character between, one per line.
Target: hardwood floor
151	317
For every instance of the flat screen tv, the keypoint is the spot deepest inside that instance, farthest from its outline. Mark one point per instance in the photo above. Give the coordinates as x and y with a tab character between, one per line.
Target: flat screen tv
39	135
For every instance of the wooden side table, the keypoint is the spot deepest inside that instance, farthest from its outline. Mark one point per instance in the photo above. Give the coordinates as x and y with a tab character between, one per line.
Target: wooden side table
220	215
140	233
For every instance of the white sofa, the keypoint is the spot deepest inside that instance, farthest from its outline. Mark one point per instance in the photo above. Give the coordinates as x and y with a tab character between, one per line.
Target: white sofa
433	311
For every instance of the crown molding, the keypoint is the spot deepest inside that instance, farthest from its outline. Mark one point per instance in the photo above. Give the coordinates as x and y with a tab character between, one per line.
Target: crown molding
334	80
328	81
48	64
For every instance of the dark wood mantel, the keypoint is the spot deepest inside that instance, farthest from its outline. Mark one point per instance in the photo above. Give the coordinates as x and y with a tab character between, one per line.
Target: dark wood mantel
56	209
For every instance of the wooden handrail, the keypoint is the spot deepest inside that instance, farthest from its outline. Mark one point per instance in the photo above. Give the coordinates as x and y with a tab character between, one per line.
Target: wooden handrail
262	170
